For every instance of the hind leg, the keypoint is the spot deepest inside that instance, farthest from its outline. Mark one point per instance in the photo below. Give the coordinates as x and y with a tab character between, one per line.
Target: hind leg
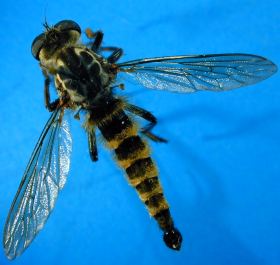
149	117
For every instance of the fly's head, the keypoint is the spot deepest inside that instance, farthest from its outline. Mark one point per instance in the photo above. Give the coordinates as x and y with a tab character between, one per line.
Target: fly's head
46	45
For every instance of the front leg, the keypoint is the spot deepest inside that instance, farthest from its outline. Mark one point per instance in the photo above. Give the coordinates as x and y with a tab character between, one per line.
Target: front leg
97	36
149	117
96	45
51	106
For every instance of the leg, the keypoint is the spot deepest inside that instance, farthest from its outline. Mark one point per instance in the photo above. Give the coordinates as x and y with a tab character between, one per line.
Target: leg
120	86
149	117
51	106
97	36
92	145
116	53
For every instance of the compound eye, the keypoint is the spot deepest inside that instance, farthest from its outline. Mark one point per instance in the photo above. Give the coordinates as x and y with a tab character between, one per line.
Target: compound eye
65	25
37	45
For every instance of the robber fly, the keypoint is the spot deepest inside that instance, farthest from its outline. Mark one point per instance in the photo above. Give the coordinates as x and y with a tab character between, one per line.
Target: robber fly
86	81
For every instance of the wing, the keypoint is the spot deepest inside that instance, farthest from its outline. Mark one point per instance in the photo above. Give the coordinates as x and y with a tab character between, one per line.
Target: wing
44	177
185	74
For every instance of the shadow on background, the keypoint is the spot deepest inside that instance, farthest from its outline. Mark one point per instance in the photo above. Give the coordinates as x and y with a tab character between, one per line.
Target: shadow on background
243	125
206	230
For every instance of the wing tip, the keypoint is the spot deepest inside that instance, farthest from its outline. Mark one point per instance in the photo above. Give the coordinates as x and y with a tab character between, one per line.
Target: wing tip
9	255
274	67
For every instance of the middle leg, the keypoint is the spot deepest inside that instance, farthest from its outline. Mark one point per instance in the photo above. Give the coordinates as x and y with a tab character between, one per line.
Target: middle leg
116	53
92	145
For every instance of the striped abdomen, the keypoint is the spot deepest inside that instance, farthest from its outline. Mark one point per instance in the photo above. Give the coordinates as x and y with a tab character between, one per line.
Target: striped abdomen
133	155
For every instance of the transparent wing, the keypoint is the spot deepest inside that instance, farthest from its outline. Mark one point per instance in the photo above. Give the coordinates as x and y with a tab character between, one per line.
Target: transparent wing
44	177
185	74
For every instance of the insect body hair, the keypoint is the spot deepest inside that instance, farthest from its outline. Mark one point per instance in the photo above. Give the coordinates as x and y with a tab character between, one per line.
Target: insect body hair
133	154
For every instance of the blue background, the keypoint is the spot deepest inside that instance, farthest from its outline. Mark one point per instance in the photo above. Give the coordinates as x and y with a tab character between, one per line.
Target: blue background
220	170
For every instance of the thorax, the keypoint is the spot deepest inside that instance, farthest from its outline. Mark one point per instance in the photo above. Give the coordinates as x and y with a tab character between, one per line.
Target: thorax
82	74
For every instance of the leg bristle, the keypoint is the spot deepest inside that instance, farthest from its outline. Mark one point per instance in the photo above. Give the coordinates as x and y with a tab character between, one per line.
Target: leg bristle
173	238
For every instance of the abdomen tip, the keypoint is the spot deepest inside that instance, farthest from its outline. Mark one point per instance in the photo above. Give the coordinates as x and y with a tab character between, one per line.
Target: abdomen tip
173	238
